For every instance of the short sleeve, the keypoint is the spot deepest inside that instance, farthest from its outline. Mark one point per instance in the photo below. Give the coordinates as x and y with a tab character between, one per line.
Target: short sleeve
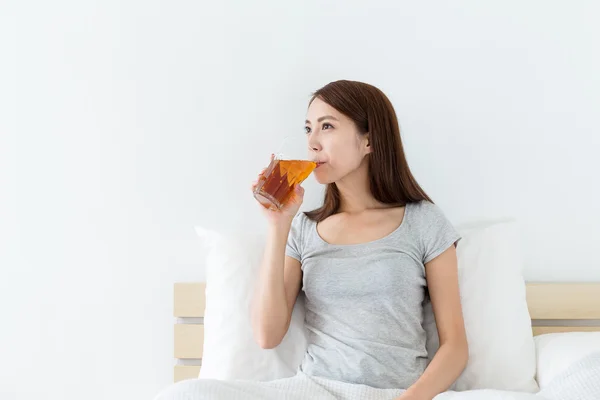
437	233
293	247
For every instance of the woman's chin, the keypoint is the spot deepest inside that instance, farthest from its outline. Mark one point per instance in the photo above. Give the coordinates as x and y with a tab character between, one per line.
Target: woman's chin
322	178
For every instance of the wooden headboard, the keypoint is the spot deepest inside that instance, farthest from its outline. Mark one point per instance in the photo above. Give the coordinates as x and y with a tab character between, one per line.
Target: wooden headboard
188	309
553	307
564	307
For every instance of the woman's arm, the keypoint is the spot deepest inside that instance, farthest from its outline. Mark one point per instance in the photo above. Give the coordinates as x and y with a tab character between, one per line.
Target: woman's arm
451	358
277	289
280	276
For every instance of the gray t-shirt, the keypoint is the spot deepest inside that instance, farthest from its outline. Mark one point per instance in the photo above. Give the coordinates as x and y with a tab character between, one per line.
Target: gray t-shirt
364	302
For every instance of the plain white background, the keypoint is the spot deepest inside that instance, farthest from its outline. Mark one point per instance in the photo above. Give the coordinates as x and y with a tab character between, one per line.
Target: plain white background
125	123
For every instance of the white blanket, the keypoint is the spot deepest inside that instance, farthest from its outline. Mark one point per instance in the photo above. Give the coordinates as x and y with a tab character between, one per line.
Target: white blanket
581	381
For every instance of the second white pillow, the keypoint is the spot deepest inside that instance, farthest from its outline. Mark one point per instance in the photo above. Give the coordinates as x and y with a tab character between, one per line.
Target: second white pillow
497	321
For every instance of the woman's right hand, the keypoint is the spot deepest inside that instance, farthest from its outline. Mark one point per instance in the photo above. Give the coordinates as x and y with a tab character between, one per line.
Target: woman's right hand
289	210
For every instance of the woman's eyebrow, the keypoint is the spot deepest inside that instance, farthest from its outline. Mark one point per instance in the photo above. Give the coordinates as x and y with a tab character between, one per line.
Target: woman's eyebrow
324	117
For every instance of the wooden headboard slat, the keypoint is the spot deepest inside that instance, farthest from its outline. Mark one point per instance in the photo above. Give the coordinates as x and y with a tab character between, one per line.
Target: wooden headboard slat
540	330
189	340
181	372
564	300
189	299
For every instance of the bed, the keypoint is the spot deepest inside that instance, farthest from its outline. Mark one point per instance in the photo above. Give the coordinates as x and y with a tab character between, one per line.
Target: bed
553	307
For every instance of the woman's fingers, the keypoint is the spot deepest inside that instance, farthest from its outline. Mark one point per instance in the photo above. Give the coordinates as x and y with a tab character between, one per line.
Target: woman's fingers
298	194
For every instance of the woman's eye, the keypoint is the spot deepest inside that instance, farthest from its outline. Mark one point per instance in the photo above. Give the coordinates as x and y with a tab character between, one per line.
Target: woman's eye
327	125
307	129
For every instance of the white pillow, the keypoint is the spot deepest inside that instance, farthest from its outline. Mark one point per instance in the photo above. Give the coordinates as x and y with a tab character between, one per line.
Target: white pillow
230	351
557	351
497	321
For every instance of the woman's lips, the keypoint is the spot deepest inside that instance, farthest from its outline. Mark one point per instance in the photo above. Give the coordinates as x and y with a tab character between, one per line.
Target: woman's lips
319	163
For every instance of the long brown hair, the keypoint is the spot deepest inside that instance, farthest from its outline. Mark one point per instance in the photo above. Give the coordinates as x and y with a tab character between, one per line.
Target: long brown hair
390	178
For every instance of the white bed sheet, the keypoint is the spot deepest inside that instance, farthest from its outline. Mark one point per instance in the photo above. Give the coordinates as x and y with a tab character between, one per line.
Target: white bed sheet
581	381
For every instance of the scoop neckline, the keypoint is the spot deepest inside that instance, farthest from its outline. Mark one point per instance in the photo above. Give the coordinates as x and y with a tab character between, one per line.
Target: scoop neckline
392	233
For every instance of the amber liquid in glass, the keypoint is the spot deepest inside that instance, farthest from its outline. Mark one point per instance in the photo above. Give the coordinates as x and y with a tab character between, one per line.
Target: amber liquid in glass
277	183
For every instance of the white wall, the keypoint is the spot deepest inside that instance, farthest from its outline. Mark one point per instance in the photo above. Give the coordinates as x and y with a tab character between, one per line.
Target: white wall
124	124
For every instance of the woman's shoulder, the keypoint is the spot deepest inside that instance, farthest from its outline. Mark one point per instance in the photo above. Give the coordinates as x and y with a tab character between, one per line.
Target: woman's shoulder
300	224
297	237
301	219
434	230
425	211
427	217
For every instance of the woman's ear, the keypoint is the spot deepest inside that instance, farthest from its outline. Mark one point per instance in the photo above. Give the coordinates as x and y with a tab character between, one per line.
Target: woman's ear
368	142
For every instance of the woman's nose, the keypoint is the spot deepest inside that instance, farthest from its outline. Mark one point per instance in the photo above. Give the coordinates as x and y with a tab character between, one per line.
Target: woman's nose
313	143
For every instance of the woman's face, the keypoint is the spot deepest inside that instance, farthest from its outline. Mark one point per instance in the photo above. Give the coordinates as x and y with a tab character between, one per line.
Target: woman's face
334	142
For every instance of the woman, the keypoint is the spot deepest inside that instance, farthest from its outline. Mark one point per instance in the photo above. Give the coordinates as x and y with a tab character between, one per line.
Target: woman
365	258
367	261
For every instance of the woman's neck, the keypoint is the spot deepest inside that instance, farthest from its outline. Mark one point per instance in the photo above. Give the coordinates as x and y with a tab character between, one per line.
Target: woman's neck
355	192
